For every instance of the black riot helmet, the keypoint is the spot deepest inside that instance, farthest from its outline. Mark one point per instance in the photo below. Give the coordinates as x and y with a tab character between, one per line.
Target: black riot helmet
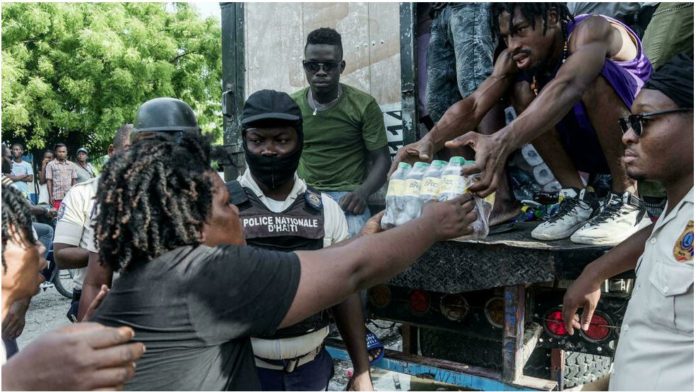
164	115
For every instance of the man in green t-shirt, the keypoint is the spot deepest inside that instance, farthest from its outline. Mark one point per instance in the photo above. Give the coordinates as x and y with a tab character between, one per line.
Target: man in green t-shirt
345	151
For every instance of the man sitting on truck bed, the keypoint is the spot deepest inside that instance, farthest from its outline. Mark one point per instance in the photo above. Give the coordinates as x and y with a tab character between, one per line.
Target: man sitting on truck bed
345	148
571	79
656	344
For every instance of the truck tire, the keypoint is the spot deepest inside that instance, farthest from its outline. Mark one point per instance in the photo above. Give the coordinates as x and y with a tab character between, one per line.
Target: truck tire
580	368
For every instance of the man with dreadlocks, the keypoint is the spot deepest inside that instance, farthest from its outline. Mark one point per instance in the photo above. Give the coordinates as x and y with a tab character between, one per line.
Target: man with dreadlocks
78	357
195	294
656	345
164	116
570	80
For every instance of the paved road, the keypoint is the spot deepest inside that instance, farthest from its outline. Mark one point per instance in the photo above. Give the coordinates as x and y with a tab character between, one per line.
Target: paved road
46	312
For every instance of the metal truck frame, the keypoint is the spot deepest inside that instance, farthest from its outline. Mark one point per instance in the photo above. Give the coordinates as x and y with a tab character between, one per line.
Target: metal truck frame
476	314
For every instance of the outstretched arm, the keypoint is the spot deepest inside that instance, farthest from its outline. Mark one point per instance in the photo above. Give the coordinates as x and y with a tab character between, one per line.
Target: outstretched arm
590	45
585	291
462	117
330	275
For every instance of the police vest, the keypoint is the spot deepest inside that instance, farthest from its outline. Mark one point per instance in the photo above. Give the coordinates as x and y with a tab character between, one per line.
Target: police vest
299	227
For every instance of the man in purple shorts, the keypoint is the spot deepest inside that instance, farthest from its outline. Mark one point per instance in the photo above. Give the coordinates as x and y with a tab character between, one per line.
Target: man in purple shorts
570	80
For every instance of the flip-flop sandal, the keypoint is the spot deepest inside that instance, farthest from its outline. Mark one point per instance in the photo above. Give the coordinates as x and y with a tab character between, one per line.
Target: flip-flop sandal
373	345
502	227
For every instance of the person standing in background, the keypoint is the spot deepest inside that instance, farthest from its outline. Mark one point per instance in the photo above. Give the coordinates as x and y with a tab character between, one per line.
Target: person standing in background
43	188
61	175
85	171
22	173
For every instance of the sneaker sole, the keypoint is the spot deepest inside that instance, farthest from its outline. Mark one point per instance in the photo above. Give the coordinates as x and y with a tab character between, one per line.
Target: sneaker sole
545	237
593	241
602	241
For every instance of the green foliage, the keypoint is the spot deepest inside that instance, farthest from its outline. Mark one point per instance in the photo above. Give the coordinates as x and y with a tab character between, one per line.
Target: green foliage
75	72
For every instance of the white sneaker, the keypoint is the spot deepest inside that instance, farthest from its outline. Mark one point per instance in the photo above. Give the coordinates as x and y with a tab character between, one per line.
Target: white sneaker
574	211
621	216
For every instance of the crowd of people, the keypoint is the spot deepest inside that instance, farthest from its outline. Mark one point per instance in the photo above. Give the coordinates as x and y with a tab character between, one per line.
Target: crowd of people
234	285
54	176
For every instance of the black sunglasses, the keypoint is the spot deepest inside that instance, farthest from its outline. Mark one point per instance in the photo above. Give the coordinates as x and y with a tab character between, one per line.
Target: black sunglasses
315	66
635	121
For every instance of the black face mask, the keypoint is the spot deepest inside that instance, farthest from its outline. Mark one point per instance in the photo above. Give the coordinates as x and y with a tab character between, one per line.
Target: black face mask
273	171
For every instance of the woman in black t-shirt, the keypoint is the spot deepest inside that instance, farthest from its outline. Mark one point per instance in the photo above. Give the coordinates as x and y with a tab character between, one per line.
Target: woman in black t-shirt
194	293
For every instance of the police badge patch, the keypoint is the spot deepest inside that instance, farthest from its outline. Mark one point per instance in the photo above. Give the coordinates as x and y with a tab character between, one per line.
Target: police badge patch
684	247
313	199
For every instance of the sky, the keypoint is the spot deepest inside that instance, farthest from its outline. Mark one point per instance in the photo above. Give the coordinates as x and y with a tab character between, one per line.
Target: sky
207	8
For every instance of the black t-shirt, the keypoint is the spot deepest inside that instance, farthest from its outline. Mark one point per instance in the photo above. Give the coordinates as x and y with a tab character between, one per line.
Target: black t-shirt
194	308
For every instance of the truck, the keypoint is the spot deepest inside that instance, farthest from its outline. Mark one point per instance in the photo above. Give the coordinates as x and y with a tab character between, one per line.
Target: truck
480	314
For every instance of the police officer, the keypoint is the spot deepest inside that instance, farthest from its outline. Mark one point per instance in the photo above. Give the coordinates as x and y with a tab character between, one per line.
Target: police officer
279	212
656	346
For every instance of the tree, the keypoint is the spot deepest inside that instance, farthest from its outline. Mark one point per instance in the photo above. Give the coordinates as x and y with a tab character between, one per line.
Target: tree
75	72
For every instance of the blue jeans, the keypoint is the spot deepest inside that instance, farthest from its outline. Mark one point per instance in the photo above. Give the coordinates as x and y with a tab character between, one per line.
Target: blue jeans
45	233
312	376
11	347
460	54
355	222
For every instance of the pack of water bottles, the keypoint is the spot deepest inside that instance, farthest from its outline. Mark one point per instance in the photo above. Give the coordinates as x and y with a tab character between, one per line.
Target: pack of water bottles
410	187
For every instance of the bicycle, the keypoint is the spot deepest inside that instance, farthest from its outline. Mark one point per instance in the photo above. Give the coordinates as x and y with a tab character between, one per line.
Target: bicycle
61	279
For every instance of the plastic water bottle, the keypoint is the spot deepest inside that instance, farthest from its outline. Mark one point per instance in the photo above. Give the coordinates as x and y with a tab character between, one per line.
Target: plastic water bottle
411	198
453	184
432	179
395	191
483	207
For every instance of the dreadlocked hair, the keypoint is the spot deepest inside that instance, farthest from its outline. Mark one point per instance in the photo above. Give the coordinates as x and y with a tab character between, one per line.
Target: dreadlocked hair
153	197
16	213
530	11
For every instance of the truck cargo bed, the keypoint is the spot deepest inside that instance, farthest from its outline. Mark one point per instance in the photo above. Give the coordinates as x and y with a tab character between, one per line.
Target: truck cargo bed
505	259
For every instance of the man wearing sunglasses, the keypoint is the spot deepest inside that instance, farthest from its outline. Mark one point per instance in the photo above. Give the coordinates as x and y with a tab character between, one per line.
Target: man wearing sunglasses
656	344
345	148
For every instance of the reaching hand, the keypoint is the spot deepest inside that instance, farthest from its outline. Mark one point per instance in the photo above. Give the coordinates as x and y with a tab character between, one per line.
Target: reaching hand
373	225
490	160
353	202
103	291
452	218
420	151
360	382
13	324
81	356
583	293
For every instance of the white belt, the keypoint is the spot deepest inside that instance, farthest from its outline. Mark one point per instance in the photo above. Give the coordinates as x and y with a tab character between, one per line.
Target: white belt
288	365
294	347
